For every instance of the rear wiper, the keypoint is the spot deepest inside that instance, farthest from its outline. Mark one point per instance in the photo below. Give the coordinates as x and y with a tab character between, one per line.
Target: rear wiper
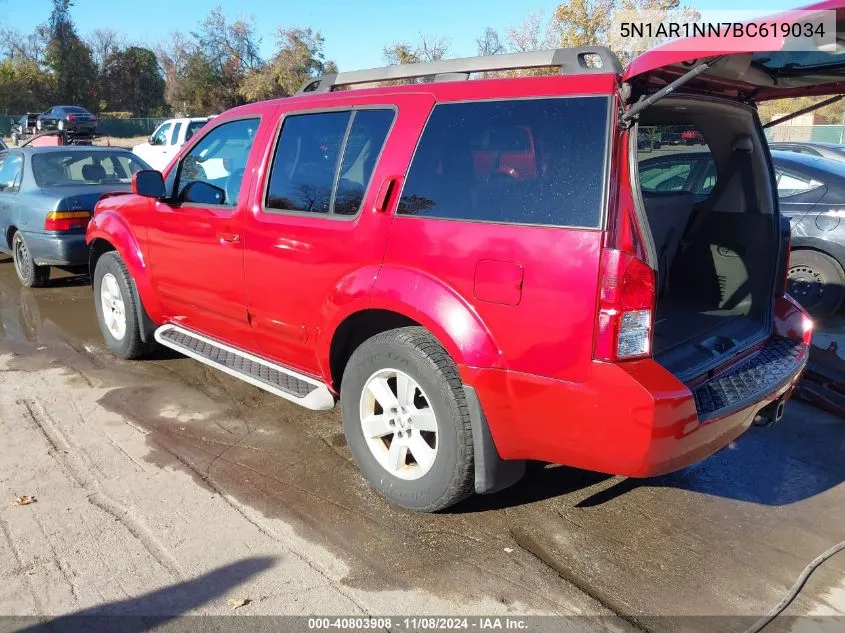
642	104
809	108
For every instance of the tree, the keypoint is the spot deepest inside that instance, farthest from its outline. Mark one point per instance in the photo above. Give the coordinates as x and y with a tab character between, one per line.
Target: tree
429	49
583	22
131	82
231	50
30	47
24	86
70	59
299	57
535	33
104	43
490	43
173	55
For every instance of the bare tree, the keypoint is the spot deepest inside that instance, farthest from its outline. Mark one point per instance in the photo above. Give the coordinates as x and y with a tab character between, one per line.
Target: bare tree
103	43
490	43
432	49
535	33
31	47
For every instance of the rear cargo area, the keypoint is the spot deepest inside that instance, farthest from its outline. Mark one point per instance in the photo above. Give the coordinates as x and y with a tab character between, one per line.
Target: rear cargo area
707	199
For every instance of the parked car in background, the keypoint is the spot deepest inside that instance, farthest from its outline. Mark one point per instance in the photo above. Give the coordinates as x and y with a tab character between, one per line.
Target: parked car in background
834	151
47	195
25	127
692	137
811	193
468	267
167	140
67	118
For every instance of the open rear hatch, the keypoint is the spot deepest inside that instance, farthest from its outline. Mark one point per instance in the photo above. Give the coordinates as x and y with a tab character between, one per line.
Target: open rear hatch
719	248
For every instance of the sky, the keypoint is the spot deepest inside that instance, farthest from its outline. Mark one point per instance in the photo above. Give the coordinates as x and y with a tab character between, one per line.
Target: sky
355	30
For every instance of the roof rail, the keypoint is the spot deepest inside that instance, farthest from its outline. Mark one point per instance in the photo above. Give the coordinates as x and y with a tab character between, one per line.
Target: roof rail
570	61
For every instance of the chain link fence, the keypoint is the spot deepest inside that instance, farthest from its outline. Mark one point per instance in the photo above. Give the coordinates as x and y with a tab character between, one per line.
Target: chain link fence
819	133
120	128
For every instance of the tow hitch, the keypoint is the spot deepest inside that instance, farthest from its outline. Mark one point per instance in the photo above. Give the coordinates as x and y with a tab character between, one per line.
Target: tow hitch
771	413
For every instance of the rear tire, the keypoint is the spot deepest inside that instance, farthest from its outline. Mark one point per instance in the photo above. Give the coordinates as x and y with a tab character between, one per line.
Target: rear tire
29	273
430	407
116	305
817	282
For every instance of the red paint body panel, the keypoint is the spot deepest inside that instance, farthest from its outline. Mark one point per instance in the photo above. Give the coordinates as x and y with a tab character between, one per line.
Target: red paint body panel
632	419
550	332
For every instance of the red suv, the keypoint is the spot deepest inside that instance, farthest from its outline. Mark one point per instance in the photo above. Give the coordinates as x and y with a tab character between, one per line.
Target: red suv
472	268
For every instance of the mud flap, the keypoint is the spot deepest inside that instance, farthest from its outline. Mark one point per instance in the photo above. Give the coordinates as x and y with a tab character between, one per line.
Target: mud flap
492	473
148	328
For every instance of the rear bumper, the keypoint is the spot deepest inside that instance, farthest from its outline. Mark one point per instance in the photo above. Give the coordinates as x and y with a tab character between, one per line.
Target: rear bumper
81	127
634	419
49	249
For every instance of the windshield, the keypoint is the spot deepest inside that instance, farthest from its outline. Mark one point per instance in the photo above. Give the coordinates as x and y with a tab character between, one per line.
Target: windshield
84	168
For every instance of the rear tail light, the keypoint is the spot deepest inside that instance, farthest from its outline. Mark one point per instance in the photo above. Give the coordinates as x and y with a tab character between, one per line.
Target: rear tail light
70	117
626	307
66	220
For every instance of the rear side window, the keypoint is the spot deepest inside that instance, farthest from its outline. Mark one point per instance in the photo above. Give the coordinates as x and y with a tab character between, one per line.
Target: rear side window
324	161
528	161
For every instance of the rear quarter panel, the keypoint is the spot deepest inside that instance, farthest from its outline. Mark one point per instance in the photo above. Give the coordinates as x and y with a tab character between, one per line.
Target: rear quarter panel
549	332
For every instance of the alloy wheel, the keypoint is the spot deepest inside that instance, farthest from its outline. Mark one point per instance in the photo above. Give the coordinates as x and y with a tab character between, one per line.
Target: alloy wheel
399	424
112	306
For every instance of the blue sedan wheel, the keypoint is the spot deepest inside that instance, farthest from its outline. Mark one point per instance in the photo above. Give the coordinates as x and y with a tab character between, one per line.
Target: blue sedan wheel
30	274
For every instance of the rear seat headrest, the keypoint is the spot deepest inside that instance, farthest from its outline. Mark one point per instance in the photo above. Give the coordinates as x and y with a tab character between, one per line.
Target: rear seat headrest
742	143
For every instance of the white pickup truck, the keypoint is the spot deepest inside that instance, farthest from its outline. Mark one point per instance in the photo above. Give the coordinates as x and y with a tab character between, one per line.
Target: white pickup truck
166	141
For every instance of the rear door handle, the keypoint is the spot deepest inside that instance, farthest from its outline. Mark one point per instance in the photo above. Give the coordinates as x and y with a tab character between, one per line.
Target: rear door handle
232	238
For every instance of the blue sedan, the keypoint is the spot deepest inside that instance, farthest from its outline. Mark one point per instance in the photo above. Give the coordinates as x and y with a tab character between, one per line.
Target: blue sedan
47	196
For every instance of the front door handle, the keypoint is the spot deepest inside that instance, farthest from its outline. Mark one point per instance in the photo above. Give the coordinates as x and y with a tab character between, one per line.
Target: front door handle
231	238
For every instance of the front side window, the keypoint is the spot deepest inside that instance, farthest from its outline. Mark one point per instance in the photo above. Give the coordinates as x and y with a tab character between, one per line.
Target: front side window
160	135
11	171
60	168
213	171
528	161
324	161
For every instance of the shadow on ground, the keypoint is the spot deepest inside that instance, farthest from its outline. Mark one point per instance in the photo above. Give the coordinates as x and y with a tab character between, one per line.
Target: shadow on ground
150	611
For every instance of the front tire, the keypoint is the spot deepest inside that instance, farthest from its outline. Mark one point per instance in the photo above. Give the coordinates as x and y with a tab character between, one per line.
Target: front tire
817	282
116	305
30	274
406	420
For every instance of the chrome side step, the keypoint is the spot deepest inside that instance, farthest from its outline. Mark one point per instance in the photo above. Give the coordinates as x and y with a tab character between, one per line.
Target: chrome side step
262	373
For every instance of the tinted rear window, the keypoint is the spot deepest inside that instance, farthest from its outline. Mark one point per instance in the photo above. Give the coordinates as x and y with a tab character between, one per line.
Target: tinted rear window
529	161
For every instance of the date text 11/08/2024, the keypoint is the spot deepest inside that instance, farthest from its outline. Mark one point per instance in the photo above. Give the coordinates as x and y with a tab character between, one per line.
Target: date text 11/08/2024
419	623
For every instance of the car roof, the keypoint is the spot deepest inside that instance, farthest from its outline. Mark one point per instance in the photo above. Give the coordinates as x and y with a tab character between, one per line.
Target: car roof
820	163
809	144
540	87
